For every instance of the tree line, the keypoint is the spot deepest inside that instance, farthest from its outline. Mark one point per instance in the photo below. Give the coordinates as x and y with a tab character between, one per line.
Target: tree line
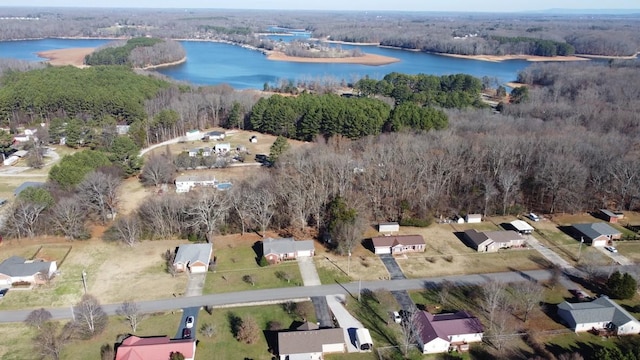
469	34
137	53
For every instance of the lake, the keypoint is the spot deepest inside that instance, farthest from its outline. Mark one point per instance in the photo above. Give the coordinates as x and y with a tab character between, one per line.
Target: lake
210	63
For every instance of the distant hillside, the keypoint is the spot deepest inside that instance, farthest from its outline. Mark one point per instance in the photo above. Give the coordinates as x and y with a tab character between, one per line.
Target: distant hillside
560	11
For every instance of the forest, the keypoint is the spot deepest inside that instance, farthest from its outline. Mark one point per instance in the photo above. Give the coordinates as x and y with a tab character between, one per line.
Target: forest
454	33
137	53
571	145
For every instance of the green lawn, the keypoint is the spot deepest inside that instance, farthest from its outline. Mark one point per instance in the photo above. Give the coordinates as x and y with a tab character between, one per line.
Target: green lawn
233	263
16	340
630	249
331	275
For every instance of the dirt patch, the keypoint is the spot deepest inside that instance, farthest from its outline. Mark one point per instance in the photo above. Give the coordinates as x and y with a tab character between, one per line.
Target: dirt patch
367	59
132	194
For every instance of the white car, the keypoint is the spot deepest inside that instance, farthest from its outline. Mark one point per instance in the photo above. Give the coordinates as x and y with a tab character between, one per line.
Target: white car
533	217
611	249
189	322
396	317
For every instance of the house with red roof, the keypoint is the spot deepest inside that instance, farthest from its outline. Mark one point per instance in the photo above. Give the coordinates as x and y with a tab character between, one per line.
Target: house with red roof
447	332
155	347
398	244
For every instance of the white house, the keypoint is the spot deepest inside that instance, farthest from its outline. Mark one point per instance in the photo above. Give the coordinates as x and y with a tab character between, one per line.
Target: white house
601	313
185	183
222	147
398	244
17	269
447	332
216	135
193	135
473	218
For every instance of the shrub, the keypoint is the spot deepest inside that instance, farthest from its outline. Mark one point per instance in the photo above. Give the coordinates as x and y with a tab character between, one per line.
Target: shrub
415	222
263	262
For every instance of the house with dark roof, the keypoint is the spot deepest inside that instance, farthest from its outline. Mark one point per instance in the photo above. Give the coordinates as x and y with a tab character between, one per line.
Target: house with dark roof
447	332
156	347
492	241
27	184
17	269
277	250
193	258
398	244
597	234
601	313
310	344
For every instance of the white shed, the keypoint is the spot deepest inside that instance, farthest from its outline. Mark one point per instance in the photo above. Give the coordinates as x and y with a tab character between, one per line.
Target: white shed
522	227
388	227
473	218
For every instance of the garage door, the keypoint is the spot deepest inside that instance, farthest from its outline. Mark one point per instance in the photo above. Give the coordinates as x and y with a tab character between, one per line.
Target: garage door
383	250
599	243
304	253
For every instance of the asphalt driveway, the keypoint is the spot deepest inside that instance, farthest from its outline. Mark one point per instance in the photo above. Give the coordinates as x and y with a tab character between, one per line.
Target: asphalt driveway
395	272
186	312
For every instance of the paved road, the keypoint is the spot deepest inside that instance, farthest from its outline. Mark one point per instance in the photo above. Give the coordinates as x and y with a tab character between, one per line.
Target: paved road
284	294
395	272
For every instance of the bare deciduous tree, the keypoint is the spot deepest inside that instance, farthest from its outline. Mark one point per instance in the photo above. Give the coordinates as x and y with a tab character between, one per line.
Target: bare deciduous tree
90	317
208	330
284	275
528	296
37	318
69	218
493	294
131	313
157	169
51	339
128	229
207	209
410	329
248	330
99	193
262	203
23	218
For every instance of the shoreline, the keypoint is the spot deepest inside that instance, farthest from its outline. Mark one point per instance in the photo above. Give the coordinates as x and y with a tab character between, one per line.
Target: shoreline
367	59
501	58
173	63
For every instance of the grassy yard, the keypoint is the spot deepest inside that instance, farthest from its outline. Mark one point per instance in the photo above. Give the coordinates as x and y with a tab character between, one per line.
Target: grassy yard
16	340
236	258
630	249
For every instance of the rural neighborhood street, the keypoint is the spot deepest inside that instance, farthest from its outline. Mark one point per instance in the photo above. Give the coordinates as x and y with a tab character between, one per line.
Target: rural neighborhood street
283	294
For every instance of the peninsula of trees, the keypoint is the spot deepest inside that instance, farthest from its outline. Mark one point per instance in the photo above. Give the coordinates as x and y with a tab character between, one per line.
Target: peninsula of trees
138	53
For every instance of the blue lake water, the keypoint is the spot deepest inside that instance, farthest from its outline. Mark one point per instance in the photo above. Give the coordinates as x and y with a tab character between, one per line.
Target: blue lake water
210	63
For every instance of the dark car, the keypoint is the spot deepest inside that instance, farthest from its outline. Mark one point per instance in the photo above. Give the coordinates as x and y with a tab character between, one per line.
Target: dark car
186	333
3	292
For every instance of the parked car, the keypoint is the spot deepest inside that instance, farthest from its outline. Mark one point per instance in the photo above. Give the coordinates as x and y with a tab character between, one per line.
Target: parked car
186	333
533	217
396	317
611	249
189	322
579	294
3	292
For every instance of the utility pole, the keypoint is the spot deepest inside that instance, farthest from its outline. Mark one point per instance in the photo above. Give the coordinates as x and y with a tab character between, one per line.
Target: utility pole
359	288
84	281
349	264
580	248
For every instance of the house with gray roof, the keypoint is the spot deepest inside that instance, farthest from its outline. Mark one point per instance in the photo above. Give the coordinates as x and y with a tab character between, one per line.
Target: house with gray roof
310	344
447	332
18	269
193	258
492	241
597	234
277	250
27	184
601	313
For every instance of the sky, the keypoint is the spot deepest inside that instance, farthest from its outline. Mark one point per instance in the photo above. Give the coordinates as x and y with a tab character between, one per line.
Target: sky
394	5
